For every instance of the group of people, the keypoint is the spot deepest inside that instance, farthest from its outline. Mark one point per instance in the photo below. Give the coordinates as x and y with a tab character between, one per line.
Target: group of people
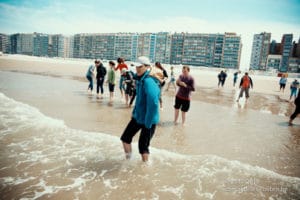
145	86
293	87
147	82
245	83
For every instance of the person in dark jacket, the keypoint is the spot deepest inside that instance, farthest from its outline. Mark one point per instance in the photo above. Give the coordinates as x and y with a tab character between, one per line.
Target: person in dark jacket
297	110
245	84
128	82
222	77
100	76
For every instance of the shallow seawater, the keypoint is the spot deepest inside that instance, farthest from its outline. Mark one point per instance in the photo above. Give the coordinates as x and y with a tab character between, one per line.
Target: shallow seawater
249	154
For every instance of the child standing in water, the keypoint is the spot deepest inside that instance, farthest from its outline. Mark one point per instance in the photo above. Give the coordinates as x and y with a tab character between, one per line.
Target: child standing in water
172	80
111	80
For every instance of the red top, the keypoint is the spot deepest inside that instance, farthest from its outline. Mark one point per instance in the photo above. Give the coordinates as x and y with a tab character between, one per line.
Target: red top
121	66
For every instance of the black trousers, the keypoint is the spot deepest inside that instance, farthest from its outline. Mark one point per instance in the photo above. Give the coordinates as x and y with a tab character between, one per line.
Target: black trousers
146	134
297	111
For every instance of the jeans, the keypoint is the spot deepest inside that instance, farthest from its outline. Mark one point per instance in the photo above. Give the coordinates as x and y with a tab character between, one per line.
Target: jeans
100	82
91	82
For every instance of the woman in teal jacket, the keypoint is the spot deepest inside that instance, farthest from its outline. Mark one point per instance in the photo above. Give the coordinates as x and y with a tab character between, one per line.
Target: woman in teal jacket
145	114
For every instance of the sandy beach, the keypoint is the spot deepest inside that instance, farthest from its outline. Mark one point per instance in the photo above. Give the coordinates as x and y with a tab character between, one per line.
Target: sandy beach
222	147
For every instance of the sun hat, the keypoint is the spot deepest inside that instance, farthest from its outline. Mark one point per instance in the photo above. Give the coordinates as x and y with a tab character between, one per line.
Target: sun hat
142	60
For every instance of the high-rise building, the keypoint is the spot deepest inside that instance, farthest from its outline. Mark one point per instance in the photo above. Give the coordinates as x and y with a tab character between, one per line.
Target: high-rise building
103	46
287	43
21	43
297	52
56	46
177	43
146	45
296	49
70	44
195	49
134	47
275	48
4	43
163	47
294	59
123	44
67	45
40	44
231	51
260	50
82	46
218	50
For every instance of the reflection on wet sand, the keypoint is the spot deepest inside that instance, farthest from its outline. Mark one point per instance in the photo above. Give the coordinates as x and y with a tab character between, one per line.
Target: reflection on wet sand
266	103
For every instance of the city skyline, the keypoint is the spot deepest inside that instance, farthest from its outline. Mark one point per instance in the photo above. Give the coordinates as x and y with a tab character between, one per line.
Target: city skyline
214	16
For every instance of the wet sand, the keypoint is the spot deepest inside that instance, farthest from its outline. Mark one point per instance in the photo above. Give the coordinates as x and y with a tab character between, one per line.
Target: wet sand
255	132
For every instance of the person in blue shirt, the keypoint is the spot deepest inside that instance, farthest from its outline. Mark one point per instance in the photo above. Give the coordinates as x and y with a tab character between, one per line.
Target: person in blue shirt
282	82
294	86
145	114
90	74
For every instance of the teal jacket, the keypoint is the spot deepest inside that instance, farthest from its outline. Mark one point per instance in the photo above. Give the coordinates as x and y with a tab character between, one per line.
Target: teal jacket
146	109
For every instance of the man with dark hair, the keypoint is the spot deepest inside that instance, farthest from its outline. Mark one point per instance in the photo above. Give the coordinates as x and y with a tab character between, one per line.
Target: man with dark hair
186	85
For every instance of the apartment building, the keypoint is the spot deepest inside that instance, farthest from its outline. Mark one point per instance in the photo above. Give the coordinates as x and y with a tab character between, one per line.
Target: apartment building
4	43
123	45
260	51
231	51
40	44
211	50
21	43
103	46
286	48
56	46
163	47
195	49
177	43
146	45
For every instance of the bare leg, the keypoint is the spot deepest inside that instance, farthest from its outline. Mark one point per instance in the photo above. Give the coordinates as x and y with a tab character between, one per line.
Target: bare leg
121	90
145	157
176	115
160	102
126	99
127	150
174	87
111	96
183	117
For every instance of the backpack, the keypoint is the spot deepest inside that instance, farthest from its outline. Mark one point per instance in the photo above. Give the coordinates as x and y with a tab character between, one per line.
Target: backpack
246	82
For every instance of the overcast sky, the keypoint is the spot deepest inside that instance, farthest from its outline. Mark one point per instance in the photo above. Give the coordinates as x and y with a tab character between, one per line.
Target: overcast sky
245	17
